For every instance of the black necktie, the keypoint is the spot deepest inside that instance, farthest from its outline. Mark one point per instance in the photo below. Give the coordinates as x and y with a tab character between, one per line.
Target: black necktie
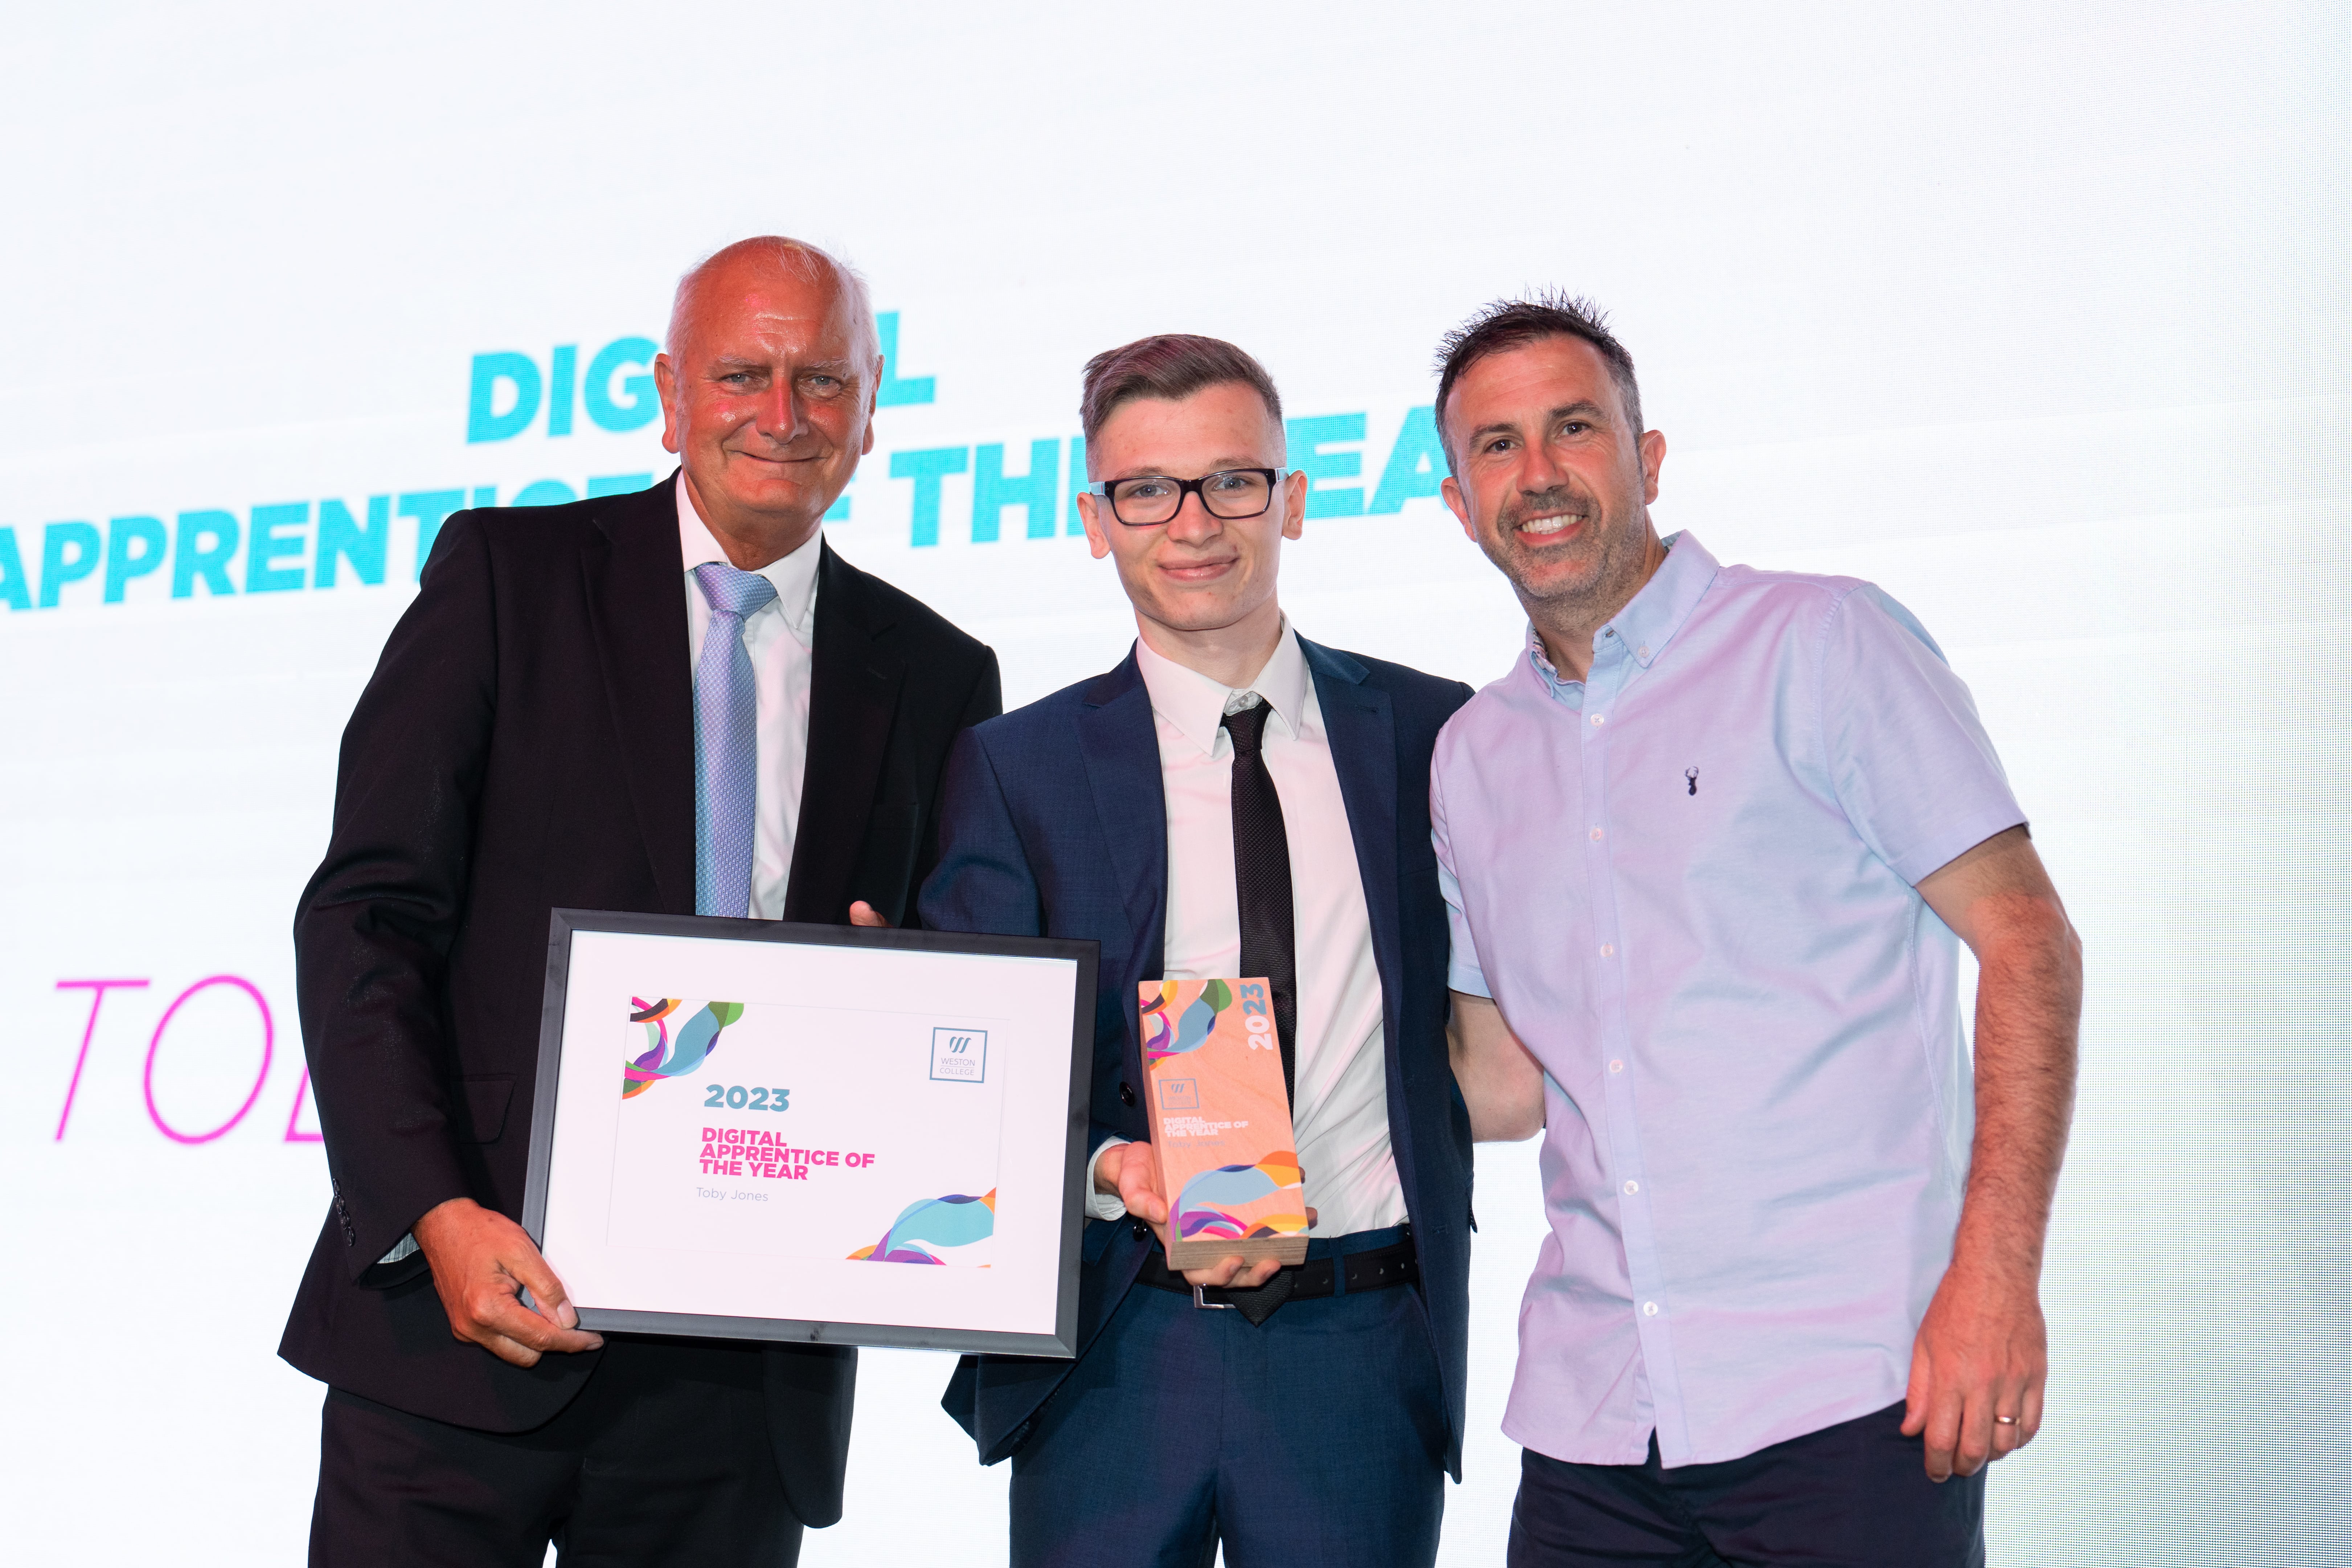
1262	882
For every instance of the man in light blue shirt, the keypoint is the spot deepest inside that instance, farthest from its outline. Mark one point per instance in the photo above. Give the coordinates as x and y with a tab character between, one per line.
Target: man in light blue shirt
1709	848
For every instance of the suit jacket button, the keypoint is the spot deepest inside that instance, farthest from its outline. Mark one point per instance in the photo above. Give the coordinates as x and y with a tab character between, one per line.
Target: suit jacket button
1127	1094
1141	1229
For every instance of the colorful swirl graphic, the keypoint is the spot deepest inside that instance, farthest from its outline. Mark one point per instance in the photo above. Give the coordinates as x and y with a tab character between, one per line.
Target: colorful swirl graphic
1207	1206
1163	1039
930	1224
665	1057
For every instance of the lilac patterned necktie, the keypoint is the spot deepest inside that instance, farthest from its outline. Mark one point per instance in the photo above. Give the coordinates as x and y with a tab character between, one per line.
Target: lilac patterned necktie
726	743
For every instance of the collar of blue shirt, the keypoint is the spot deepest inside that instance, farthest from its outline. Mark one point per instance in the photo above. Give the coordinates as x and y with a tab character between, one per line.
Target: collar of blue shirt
1196	705
1649	620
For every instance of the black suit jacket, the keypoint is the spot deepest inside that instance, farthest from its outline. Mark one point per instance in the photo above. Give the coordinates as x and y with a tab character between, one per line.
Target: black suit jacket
527	742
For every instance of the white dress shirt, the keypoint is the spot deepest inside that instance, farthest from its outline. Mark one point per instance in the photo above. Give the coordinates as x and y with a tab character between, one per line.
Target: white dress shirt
1339	1111
779	637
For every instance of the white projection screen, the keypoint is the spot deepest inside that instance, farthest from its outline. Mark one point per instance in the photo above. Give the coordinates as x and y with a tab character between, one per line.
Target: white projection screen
2035	314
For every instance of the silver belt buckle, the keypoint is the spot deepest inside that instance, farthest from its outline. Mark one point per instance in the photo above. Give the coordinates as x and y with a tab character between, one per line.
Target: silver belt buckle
1201	1300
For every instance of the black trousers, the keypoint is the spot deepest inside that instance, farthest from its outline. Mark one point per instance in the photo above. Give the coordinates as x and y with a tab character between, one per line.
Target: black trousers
1855	1494
663	1459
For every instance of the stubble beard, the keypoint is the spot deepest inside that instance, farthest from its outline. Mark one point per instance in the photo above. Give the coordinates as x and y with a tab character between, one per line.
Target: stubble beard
1611	550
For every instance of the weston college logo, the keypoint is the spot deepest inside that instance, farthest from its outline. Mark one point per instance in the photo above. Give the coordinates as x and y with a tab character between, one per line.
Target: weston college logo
959	1056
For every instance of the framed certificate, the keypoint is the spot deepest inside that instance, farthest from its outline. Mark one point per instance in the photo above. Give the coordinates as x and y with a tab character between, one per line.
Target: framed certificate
818	1133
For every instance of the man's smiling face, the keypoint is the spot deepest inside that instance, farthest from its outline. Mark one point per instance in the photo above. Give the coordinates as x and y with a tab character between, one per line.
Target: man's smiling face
1549	476
768	394
1195	573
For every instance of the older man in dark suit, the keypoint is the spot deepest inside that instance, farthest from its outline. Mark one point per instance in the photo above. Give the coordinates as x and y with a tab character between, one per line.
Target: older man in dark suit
677	702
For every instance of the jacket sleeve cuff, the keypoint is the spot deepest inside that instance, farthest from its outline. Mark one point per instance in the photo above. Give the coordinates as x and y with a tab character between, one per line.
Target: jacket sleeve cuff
398	1267
376	1226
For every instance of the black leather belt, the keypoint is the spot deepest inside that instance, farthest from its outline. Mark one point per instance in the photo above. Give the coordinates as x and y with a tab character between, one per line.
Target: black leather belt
1378	1269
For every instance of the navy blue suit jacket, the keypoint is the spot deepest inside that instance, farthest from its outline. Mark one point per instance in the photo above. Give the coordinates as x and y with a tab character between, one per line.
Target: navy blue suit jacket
1053	823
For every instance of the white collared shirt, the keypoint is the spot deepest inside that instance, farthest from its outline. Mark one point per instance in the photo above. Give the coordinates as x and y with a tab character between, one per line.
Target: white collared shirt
1340	1107
779	635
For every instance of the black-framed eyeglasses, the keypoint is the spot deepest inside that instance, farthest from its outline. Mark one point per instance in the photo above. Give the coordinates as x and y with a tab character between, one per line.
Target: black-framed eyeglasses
1230	494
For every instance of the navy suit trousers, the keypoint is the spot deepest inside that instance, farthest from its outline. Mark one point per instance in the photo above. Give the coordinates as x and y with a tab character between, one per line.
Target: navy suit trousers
1855	1494
1315	1439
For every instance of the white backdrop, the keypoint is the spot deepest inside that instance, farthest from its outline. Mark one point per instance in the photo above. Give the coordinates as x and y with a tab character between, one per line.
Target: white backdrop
2040	315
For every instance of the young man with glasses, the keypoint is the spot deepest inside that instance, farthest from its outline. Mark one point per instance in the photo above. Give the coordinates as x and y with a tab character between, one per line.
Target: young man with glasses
1231	800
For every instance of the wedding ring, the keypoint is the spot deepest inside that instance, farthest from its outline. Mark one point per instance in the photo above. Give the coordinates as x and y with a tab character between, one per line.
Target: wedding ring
2006	1420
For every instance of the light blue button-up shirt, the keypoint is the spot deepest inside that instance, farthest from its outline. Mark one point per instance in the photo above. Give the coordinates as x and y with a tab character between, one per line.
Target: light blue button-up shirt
1688	882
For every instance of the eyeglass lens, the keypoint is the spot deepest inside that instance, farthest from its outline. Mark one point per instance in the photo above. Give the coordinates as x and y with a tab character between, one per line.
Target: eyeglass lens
1234	493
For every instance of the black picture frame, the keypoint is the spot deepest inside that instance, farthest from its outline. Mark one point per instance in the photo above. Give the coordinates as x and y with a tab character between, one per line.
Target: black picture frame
1062	1343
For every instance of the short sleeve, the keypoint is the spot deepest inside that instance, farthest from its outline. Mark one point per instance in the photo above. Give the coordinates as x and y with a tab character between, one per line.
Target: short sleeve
1463	972
1909	759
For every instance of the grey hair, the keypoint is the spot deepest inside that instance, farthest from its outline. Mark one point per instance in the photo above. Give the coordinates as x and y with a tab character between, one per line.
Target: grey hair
809	261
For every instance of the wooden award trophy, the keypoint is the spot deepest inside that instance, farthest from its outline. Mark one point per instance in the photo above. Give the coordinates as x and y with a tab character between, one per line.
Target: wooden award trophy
1221	1122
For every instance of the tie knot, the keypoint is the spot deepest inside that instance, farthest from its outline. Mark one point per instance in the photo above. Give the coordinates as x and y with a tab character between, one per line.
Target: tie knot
1248	726
732	593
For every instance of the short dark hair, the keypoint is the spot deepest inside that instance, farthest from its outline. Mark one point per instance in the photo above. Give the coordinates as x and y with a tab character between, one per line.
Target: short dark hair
1508	324
1174	365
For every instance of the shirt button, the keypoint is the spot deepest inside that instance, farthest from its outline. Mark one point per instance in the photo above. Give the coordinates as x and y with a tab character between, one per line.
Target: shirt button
1608	950
1617	1066
1644	651
1632	1187
1598	716
1649	1308
1596	835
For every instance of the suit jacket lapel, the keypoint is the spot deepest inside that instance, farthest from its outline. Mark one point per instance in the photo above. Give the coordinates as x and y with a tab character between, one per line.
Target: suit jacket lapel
635	581
1362	727
1120	749
854	681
